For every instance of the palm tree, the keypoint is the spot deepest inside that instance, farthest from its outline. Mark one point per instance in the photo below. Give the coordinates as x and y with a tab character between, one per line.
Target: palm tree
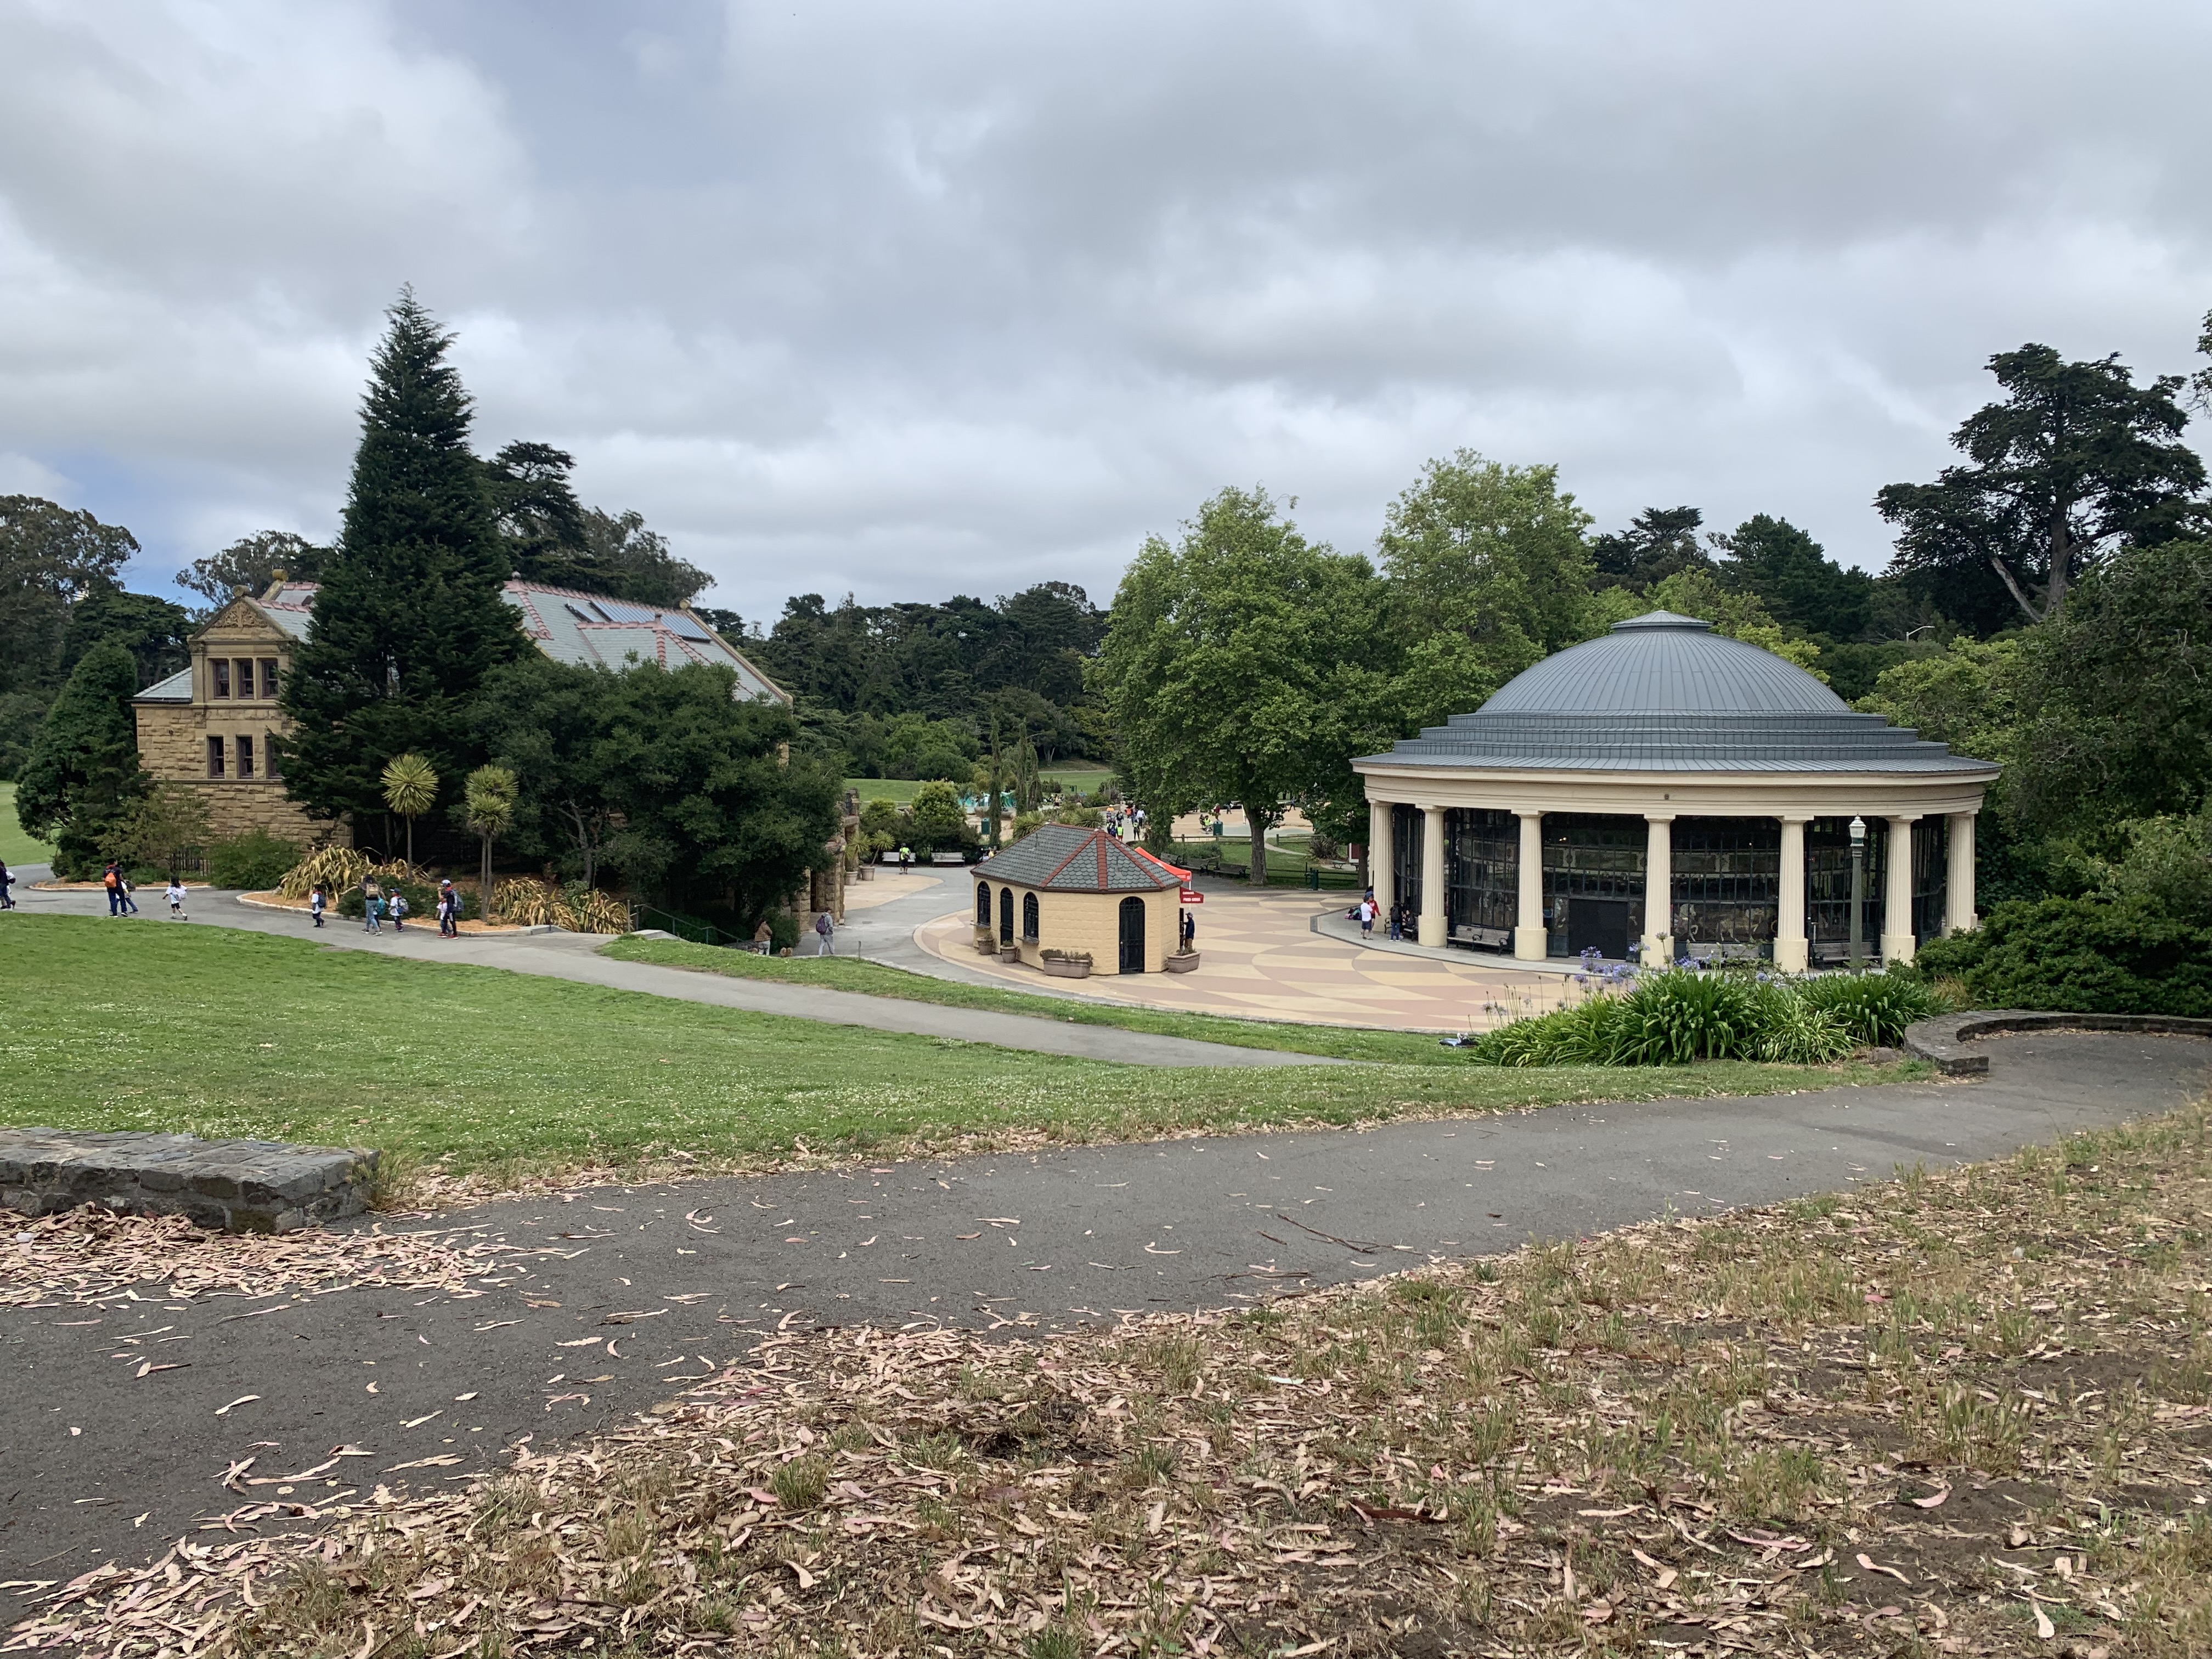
410	789
489	807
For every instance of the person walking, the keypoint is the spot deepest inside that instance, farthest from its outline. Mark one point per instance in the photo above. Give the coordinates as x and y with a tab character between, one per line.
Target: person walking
449	910
130	904
111	879
1366	918
397	905
372	912
317	900
175	895
7	881
905	858
825	930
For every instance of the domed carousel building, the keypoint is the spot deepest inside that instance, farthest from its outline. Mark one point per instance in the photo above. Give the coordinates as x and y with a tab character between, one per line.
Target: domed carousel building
1662	791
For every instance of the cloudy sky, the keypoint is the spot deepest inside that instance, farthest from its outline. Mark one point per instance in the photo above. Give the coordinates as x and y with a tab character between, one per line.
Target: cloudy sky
923	296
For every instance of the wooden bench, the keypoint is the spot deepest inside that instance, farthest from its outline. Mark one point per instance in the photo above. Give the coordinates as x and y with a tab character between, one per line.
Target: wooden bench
1495	939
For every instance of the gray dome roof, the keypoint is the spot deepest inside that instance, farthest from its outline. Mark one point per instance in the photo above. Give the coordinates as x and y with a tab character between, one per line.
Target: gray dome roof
1662	693
1663	664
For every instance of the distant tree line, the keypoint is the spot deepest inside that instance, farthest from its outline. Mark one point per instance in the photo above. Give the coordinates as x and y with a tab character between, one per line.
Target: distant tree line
2048	606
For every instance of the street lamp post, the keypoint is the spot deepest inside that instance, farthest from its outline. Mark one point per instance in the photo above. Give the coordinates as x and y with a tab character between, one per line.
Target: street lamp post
1858	892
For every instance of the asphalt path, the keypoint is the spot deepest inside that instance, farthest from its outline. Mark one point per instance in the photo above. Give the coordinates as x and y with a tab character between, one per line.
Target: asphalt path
619	1295
575	957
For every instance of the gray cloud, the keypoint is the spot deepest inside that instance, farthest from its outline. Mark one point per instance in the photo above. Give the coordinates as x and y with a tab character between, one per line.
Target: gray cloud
909	300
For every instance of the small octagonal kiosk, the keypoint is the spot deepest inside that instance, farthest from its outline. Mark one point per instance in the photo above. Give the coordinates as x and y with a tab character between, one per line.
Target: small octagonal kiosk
1665	791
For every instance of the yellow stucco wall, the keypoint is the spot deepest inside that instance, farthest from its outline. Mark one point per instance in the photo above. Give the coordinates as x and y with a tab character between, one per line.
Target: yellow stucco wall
1087	922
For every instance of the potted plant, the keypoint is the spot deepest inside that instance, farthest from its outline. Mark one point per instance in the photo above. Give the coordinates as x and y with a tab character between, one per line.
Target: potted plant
1065	964
1010	951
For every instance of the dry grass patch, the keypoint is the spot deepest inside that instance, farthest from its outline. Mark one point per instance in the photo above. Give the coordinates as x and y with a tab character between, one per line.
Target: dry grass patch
1966	1413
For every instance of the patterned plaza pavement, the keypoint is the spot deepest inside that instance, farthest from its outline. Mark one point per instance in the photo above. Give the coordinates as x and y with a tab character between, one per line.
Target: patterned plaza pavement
1261	959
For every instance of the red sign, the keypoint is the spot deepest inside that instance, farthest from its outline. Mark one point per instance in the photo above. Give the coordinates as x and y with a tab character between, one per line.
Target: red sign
1190	898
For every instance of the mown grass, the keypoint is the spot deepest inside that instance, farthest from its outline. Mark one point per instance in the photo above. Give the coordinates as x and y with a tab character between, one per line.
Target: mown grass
146	1026
16	847
880	979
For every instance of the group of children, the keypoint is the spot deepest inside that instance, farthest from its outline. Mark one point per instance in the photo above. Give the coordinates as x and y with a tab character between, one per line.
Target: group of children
376	905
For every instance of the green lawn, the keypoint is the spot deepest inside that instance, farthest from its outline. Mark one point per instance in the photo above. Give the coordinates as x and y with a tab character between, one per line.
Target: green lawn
148	1025
15	847
901	790
880	979
1286	864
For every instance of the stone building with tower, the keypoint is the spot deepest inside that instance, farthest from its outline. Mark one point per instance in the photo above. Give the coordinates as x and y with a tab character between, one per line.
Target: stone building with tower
1662	791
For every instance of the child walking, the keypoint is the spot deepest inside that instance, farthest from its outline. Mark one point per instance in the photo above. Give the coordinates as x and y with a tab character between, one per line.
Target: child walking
316	901
175	895
396	904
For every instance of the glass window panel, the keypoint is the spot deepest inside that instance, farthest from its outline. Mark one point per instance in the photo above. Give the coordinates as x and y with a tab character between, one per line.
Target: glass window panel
219	669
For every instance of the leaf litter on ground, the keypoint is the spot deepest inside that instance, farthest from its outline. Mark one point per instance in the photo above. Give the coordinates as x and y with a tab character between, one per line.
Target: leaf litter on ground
1714	1436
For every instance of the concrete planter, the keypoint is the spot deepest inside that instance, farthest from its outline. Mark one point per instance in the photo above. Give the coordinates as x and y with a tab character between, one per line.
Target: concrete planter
1182	961
1010	953
1059	970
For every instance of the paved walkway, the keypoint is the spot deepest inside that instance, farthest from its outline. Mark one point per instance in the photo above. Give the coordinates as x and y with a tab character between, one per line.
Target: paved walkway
628	1291
575	957
1264	959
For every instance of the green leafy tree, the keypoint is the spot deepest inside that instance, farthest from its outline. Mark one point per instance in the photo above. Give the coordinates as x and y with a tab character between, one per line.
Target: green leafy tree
50	559
1794	579
252	562
939	822
2116	697
1698	592
1245	662
1489	570
555	725
635	563
713	814
154	631
410	789
410	618
81	777
2074	461
1660	542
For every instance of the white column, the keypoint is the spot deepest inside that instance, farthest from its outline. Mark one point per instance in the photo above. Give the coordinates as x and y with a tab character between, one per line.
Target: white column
1529	942
1432	875
1659	889
1897	891
1792	951
1382	856
1959	876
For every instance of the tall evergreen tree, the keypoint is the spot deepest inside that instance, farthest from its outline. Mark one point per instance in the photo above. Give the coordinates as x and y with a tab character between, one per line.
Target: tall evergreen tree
409	617
82	775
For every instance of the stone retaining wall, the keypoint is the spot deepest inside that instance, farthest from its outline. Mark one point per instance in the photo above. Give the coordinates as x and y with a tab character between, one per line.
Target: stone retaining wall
230	1186
1944	1040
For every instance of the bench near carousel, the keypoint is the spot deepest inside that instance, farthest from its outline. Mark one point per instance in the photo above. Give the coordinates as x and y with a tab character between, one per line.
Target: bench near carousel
1662	791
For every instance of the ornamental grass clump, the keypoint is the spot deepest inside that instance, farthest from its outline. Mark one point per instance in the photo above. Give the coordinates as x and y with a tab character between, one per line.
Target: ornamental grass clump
1874	1008
1679	1015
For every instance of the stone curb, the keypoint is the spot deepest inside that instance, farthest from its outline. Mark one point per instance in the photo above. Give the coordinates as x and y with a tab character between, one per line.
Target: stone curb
230	1186
1943	1041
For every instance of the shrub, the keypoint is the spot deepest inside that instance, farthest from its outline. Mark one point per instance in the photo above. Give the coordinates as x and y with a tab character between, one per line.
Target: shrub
1084	817
2087	956
1793	1030
1675	1017
256	860
1874	1008
782	930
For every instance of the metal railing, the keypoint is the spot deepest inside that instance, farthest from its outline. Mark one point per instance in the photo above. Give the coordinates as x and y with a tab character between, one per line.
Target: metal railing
690	928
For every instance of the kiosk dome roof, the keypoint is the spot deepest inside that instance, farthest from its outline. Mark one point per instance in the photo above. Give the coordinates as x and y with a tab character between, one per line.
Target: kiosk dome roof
1663	664
1663	693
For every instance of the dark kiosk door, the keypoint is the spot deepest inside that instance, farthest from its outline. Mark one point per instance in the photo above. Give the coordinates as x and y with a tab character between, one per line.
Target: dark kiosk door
1133	936
1005	915
1598	924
